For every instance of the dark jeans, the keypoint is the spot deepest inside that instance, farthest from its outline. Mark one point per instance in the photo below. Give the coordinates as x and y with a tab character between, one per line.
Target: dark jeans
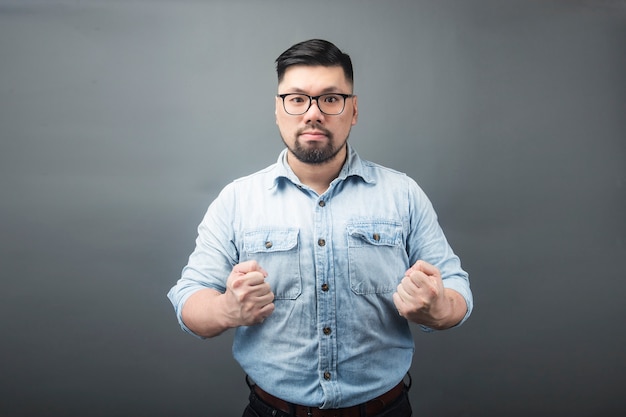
257	408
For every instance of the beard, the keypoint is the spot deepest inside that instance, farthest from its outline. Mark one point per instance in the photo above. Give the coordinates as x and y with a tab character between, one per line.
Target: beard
316	153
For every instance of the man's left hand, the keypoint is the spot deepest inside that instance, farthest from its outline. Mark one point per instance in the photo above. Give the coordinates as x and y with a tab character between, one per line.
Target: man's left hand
422	298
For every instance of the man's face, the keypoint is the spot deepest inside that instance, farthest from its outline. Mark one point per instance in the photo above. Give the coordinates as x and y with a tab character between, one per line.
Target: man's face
315	137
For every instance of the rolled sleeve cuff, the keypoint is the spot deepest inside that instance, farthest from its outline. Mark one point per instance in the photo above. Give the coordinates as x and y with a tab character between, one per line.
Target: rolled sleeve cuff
178	297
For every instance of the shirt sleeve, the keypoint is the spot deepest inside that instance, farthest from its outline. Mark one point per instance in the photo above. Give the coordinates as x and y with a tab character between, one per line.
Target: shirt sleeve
215	254
428	242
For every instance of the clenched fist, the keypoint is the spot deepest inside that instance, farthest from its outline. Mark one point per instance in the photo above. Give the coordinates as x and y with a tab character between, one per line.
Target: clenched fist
248	298
422	298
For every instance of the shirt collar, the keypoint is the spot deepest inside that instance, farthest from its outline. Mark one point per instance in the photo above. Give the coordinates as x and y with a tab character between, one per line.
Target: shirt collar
354	167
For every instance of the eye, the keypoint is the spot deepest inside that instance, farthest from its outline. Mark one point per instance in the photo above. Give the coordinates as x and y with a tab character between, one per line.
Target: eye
297	98
331	98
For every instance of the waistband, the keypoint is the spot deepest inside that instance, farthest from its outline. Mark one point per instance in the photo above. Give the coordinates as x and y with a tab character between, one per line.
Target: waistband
370	408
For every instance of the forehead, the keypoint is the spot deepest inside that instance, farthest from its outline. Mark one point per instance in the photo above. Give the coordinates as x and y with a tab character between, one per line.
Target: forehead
314	79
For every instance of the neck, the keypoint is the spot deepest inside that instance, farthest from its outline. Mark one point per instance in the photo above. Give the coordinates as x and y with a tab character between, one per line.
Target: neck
318	176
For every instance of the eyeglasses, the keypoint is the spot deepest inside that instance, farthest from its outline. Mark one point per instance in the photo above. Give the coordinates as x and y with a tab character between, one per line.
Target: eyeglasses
331	104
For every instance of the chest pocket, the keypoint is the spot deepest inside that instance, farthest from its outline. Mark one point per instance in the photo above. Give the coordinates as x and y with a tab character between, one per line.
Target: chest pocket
276	251
377	257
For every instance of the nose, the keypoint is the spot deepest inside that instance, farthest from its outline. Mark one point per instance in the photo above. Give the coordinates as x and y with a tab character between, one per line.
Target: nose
314	112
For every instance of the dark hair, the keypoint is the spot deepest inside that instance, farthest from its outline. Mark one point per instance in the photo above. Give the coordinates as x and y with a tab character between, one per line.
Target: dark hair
314	52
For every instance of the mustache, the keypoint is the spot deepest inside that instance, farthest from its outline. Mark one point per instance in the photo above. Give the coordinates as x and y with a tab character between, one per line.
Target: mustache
316	127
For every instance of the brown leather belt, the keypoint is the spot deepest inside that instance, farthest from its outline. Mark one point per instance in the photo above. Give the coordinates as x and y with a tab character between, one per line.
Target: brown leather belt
372	407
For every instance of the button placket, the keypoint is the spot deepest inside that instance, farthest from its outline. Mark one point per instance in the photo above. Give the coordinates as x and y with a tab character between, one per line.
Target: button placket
326	308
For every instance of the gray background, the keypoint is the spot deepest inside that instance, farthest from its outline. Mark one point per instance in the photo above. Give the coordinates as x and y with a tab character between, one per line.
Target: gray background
121	120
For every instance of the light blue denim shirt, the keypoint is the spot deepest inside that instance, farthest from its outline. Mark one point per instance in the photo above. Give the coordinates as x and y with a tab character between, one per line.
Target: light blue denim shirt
334	260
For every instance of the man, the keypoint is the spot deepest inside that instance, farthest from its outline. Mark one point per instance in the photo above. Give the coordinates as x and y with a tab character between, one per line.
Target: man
321	260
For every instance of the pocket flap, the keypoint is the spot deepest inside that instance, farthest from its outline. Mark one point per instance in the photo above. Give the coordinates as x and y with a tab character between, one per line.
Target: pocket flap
270	240
377	232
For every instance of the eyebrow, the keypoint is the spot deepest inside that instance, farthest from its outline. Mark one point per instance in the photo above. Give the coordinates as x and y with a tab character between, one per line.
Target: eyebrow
324	91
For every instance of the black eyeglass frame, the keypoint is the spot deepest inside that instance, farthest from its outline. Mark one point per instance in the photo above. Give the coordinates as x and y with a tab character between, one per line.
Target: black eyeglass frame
316	98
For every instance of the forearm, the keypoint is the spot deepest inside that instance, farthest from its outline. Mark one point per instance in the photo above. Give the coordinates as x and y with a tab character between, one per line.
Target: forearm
202	313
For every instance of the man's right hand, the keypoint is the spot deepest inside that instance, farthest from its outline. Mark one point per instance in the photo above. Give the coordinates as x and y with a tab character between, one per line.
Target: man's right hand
248	299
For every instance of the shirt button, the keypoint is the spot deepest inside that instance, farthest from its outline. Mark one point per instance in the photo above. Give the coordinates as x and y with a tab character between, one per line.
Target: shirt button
324	287
376	237
321	242
327	376
327	331
268	244
322	203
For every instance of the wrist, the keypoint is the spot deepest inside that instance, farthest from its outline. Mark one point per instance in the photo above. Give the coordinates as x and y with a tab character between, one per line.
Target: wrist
454	310
227	317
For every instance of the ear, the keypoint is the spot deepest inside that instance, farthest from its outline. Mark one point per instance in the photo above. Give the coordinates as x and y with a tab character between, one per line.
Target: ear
355	110
277	104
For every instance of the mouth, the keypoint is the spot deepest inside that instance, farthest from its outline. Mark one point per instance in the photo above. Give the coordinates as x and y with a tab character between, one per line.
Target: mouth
313	135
